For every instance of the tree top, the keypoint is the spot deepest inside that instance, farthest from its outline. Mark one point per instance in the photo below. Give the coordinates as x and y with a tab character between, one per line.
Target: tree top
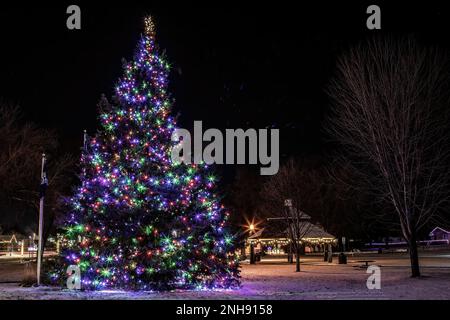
149	26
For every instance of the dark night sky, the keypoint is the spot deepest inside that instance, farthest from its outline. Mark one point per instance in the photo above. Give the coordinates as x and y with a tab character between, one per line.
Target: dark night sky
233	66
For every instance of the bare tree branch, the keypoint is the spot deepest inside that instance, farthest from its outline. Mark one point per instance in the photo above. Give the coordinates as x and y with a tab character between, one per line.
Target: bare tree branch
390	115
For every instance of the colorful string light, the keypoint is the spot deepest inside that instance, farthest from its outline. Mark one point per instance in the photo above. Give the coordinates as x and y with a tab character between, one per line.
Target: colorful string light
138	221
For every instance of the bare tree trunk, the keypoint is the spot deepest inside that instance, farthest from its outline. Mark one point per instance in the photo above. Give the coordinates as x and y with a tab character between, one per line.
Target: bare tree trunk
290	254
297	259
414	256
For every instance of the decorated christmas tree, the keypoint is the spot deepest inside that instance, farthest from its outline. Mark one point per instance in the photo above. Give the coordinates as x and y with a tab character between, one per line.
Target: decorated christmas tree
138	220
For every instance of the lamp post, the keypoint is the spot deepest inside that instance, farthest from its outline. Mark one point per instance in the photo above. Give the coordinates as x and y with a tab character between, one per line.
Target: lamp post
40	250
288	205
251	229
342	256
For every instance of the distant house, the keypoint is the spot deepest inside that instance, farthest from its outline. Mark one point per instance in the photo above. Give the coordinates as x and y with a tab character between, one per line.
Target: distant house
440	234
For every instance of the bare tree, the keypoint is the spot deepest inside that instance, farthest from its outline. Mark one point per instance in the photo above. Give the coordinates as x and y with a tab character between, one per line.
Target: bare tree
21	147
288	184
390	101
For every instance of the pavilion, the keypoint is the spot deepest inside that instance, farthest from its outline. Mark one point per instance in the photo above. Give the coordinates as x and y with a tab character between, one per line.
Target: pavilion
273	238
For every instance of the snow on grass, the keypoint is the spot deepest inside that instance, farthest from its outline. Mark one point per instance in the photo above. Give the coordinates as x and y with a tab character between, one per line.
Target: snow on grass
278	280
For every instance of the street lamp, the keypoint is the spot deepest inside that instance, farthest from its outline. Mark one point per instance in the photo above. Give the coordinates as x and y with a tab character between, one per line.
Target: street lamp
288	205
342	255
251	229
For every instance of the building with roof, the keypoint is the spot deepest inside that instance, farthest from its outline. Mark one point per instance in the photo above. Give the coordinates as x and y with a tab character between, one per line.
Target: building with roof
440	234
273	239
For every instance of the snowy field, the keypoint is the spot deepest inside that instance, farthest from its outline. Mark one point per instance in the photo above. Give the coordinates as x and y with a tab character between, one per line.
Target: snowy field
275	279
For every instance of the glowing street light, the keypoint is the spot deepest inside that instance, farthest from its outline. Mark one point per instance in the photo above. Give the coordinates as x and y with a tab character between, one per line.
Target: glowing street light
251	229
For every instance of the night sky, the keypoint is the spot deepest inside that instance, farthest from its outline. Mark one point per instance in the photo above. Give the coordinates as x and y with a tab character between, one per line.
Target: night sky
232	66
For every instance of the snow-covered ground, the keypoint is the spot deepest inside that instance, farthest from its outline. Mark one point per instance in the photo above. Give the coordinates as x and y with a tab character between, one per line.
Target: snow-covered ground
275	279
